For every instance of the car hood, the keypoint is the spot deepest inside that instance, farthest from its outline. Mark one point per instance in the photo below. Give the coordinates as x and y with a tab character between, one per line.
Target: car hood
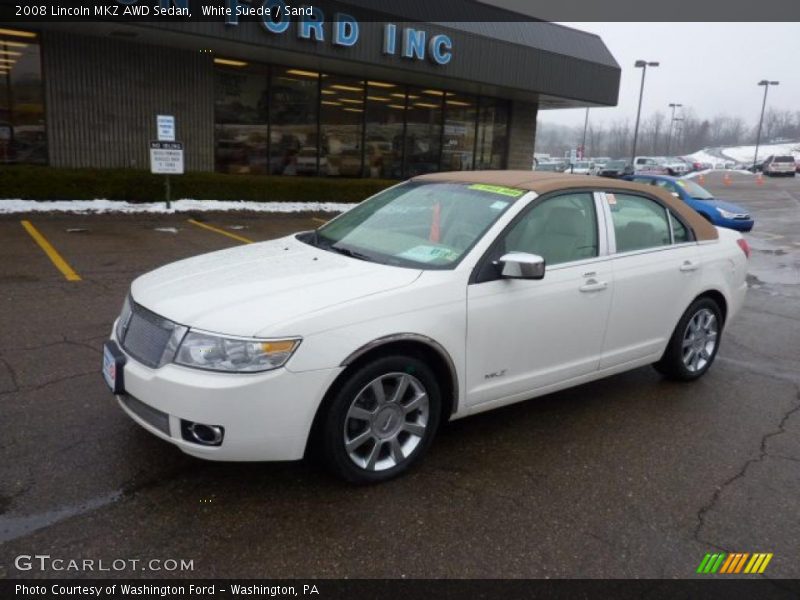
246	290
724	205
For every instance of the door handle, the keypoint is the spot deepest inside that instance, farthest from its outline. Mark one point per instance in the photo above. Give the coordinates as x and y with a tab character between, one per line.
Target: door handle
688	265
593	285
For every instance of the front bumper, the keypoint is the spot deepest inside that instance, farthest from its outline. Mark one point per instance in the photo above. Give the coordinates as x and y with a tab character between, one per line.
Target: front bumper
736	224
265	416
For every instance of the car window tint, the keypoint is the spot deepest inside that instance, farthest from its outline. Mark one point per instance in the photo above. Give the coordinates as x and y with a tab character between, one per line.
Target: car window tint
560	229
639	222
679	232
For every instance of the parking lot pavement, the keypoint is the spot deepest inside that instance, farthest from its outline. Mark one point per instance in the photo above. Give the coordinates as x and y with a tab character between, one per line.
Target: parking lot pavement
632	476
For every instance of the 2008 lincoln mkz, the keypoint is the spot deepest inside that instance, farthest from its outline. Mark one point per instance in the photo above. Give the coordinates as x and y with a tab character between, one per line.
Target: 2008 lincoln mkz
441	297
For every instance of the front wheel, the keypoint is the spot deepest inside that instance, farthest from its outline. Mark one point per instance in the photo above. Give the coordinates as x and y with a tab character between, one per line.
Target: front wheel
382	420
694	343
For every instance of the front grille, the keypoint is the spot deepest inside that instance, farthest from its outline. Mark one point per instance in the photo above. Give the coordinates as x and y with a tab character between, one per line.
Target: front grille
147	413
146	336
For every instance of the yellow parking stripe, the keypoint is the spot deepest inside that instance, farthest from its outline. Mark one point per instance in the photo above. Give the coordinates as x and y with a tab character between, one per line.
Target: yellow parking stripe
764	564
318	220
233	236
51	252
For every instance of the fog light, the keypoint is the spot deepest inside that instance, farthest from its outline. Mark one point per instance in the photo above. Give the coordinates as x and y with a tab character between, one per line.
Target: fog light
199	433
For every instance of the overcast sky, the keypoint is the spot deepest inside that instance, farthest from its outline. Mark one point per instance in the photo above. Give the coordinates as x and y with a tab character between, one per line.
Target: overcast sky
710	67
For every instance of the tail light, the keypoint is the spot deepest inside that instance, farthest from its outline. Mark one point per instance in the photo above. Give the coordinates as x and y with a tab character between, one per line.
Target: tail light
744	246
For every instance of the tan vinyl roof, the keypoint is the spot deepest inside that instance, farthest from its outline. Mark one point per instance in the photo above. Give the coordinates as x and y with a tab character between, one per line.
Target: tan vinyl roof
542	183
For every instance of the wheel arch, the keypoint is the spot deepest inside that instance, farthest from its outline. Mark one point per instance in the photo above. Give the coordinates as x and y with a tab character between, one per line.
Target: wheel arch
413	344
717	297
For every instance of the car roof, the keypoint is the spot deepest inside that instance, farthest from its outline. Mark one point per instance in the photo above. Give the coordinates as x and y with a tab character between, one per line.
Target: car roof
544	182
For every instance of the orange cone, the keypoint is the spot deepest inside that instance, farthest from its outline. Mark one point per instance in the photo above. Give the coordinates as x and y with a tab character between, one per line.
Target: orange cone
702	179
726	179
759	179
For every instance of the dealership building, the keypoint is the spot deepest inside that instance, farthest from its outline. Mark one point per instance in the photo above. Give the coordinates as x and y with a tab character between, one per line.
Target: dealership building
346	92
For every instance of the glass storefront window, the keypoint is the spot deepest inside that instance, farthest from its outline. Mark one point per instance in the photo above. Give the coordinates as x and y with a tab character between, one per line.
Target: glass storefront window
294	137
492	134
383	146
341	118
423	131
23	137
241	113
458	141
291	121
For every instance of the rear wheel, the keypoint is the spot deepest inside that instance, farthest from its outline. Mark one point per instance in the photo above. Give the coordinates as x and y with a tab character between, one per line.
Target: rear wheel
382	420
694	343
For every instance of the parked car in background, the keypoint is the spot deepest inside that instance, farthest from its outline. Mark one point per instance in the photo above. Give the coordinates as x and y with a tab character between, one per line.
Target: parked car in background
718	212
777	165
616	169
648	164
581	167
675	166
439	298
600	162
552	167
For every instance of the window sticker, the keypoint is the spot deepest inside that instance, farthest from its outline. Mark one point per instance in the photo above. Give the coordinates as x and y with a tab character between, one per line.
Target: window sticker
427	254
497	189
499	205
611	198
681	183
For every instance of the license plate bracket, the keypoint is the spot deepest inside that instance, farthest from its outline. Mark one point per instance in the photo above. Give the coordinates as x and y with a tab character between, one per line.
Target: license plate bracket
114	367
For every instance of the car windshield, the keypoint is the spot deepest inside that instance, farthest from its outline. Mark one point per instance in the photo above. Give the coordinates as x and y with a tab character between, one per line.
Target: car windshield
786	159
417	224
582	165
694	190
615	164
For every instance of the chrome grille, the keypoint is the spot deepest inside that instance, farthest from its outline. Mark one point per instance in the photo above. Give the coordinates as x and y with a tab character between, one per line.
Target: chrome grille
147	337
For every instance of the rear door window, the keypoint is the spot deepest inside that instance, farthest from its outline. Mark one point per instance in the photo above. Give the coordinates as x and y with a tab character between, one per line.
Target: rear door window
639	223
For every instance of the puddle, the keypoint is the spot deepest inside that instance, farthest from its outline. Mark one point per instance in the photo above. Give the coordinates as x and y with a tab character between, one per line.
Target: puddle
12	527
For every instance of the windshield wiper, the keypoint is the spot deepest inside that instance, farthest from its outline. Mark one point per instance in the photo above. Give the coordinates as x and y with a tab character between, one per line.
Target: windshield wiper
349	252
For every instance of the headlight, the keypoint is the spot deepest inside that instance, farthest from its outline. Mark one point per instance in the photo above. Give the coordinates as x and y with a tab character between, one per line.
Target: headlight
726	214
208	351
124	319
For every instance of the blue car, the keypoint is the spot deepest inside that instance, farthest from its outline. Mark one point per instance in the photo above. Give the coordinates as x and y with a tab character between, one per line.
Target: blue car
719	212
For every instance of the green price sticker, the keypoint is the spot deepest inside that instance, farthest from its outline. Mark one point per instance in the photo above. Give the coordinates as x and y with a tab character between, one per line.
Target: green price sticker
497	189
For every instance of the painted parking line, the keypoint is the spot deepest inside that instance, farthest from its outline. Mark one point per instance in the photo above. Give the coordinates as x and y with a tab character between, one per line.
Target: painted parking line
318	220
60	264
233	236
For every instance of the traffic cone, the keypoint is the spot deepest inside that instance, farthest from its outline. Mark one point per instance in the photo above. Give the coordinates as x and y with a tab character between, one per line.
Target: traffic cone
702	179
726	179
759	179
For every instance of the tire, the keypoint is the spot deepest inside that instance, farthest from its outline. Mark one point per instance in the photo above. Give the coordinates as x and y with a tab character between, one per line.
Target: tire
694	343
401	429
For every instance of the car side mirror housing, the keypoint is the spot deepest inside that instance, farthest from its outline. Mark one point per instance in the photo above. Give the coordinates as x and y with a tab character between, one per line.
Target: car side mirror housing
522	265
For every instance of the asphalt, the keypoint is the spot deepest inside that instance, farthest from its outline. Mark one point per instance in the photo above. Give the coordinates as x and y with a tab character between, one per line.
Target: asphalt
632	476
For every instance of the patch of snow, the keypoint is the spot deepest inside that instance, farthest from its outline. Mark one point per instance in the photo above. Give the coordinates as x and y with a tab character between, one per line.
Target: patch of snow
14	206
694	174
166	229
744	154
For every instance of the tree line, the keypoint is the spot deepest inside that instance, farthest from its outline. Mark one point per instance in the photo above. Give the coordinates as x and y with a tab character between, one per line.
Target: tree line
689	133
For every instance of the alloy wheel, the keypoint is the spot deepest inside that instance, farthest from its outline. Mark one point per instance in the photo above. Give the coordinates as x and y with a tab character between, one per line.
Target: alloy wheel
386	421
699	340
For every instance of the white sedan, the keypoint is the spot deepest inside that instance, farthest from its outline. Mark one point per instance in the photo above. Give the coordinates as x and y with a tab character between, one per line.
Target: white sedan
441	297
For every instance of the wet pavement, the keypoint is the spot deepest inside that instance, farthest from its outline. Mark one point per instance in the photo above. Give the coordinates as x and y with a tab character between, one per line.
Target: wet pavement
632	476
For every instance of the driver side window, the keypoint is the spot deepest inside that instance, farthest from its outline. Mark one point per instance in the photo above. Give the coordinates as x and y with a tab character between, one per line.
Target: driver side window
561	229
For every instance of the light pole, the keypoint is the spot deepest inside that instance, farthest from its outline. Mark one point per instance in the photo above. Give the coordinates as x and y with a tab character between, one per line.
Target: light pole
671	121
640	64
766	85
585	126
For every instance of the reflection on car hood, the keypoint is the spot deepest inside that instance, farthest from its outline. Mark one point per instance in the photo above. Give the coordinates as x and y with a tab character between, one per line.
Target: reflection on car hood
724	205
247	289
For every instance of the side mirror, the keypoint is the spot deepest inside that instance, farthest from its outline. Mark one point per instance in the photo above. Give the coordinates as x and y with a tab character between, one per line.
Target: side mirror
521	265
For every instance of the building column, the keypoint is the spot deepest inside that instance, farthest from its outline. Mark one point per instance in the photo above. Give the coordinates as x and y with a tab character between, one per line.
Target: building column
522	135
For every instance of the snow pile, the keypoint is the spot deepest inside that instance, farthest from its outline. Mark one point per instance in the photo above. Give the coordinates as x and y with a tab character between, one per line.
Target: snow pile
743	154
12	206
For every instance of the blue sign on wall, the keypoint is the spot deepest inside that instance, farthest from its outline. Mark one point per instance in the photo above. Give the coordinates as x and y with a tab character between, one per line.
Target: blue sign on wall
411	43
